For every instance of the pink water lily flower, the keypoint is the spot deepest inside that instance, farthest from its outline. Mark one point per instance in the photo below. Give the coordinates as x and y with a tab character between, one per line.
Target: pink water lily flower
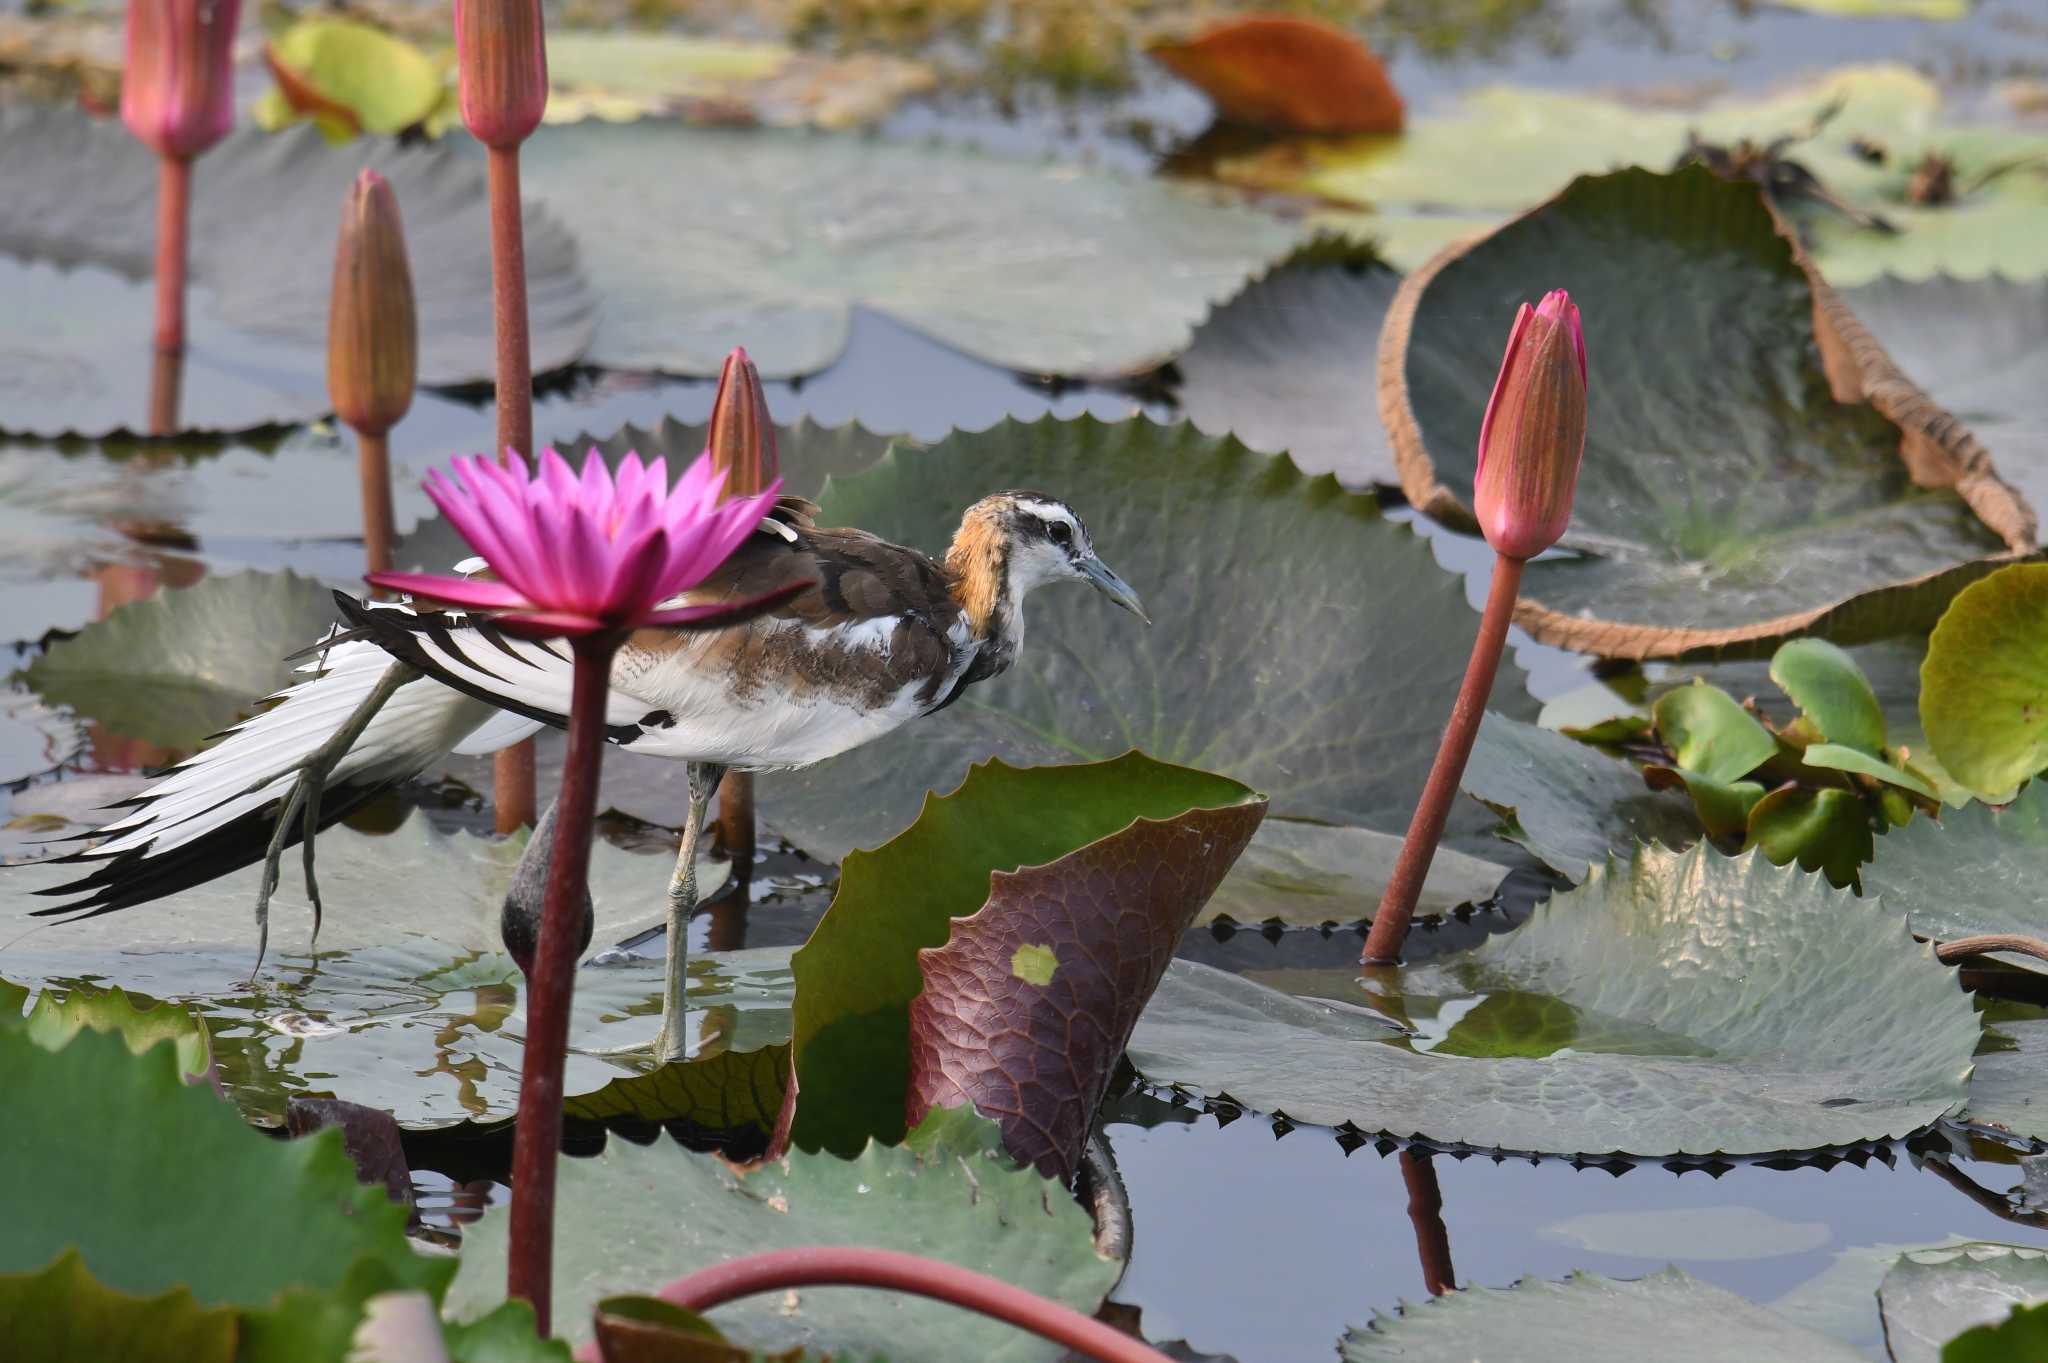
580	555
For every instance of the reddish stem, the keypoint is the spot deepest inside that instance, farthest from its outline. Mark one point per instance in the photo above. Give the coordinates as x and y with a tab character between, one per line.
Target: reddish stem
166	379
834	1266
1426	829
1426	1212
512	772
173	211
736	823
373	458
537	1139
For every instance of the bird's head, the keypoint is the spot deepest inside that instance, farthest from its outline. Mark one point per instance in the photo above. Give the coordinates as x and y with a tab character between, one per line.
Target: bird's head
1013	542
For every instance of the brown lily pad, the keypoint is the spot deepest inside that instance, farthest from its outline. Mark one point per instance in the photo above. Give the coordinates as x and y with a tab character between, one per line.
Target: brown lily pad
1285	73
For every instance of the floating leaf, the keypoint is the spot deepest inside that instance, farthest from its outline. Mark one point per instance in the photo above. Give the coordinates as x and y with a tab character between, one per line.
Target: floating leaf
1307	874
632	1218
1830	690
1671	1316
77	242
56	1018
183	665
1254	664
1931	1295
2023	1334
1738	1049
1976	871
1566	803
1285	73
1836	757
1685	535
410	1003
1287	366
349	78
1984	686
1875	9
33	737
623	76
694	237
912	976
1823	830
1710	734
62	1314
2009	1087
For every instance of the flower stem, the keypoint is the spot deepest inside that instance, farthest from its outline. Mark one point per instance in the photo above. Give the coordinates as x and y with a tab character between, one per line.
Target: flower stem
373	460
537	1138
736	823
1426	829
173	211
514	799
1426	1212
832	1266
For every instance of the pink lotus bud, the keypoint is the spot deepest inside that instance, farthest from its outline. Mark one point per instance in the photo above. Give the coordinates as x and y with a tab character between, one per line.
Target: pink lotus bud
742	439
372	329
178	87
501	59
1534	432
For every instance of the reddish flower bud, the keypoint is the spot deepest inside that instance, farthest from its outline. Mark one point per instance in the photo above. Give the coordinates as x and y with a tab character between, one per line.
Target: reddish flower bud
1534	432
501	59
742	439
178	85
372	331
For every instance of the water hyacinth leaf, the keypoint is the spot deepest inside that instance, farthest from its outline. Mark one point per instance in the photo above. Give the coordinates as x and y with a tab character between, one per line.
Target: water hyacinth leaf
1039	847
633	1218
182	665
1723	806
1670	1316
1251	637
695	236
618	77
411	1004
1984	686
1710	734
1932	1295
1568	804
2022	1334
1977	871
245	1218
77	244
62	1314
1737	1052
1836	757
1306	874
1824	682
1823	830
1684	536
349	78
1287	367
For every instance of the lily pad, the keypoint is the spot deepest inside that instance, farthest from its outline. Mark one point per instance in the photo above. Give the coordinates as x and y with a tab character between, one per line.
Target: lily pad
410	1003
62	1314
77	242
1676	1029
619	77
2022	1334
183	665
33	737
1567	803
1984	686
1932	1295
1683	533
998	950
1979	870
1287	366
695	237
1307	874
1670	1316
1252	664
633	1218
2009	1088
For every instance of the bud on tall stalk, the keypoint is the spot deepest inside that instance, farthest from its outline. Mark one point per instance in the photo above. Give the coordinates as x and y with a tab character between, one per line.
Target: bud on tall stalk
372	344
501	62
178	97
1530	445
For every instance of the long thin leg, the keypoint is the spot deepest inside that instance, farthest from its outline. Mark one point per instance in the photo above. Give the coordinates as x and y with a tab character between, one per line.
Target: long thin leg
305	795
682	899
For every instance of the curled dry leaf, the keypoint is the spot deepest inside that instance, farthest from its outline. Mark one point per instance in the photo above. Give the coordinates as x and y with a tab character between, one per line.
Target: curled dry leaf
1287	74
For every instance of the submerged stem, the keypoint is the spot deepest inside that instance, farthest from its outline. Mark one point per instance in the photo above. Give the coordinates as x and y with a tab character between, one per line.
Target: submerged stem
537	1138
1397	905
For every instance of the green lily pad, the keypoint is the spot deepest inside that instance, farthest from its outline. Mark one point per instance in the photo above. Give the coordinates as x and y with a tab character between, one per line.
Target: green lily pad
410	1003
77	245
1684	532
928	982
1932	1295
1824	681
1984	686
696	237
62	1314
1977	871
234	1216
183	665
1670	1316
1287	366
633	1218
1719	1054
1307	874
1251	666
2023	1334
2009	1087
1567	803
1977	346
56	1018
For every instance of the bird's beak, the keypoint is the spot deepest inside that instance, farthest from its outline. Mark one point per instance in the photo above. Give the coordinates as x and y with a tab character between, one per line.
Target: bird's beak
1105	580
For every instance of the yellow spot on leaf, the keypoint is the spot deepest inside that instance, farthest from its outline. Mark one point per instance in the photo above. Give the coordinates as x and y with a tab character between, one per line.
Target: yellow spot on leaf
1034	964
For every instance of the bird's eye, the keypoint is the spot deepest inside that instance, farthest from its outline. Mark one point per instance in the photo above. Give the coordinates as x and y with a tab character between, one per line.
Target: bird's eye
1060	533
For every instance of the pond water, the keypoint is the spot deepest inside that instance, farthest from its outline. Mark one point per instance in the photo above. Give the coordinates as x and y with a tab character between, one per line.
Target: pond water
1254	1239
